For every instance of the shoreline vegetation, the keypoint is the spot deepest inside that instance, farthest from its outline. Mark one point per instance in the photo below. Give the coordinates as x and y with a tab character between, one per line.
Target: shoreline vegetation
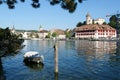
9	42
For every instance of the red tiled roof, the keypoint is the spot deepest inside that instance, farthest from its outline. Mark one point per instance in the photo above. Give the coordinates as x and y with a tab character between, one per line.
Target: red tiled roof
94	27
59	31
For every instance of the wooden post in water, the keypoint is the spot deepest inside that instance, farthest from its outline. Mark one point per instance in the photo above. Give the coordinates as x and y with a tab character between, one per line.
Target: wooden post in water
56	58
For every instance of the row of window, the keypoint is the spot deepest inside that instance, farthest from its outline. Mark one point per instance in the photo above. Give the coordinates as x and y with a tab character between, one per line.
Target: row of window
106	34
87	34
86	31
94	33
106	30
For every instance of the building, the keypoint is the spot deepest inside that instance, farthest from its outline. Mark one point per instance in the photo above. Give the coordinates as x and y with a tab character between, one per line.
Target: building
13	30
95	31
25	35
42	33
99	21
60	33
89	20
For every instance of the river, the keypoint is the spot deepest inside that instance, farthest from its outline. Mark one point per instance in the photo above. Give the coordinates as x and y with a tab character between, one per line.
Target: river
78	60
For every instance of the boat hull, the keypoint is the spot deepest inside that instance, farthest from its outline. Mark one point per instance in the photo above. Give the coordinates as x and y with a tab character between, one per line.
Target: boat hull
33	60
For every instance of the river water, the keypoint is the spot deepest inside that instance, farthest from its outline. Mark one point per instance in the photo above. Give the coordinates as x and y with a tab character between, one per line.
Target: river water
78	60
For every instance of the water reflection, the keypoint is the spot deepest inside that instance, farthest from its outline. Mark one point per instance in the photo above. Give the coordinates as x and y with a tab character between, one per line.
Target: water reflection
55	76
34	66
78	60
38	45
96	49
116	55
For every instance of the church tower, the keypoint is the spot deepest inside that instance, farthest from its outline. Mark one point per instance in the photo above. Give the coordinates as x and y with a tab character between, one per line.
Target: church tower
40	28
88	19
13	30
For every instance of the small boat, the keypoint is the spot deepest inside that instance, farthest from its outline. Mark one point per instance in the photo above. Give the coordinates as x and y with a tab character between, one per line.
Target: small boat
33	57
34	66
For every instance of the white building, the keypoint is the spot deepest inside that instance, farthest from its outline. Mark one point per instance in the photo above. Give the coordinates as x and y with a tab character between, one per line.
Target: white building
13	30
42	33
89	20
25	35
99	21
60	33
95	31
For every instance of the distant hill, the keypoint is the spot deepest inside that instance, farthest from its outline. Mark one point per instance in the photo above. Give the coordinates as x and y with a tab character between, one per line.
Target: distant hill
26	30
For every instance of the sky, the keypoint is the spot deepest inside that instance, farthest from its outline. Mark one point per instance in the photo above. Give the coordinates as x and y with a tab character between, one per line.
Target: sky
24	17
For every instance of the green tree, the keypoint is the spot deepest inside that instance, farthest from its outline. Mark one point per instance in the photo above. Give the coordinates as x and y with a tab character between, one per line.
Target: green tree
112	24
1	34
105	23
69	5
113	18
84	22
68	34
9	42
54	34
80	23
48	36
112	21
36	35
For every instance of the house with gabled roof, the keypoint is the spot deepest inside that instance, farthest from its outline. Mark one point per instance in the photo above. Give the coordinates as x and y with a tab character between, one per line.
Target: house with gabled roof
42	33
60	33
95	31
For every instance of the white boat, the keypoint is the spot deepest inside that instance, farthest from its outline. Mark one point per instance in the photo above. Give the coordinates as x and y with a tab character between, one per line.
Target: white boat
33	57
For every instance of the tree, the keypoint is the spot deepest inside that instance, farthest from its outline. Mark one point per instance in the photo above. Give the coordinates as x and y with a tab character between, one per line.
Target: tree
112	24
69	5
68	34
48	36
104	23
113	21
80	24
84	22
113	18
54	34
9	42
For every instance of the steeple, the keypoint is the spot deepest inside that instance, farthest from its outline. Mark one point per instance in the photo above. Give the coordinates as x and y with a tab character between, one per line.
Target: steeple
88	15
88	18
13	30
40	28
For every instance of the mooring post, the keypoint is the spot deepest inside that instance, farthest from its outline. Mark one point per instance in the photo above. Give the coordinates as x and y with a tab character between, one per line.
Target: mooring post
56	58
